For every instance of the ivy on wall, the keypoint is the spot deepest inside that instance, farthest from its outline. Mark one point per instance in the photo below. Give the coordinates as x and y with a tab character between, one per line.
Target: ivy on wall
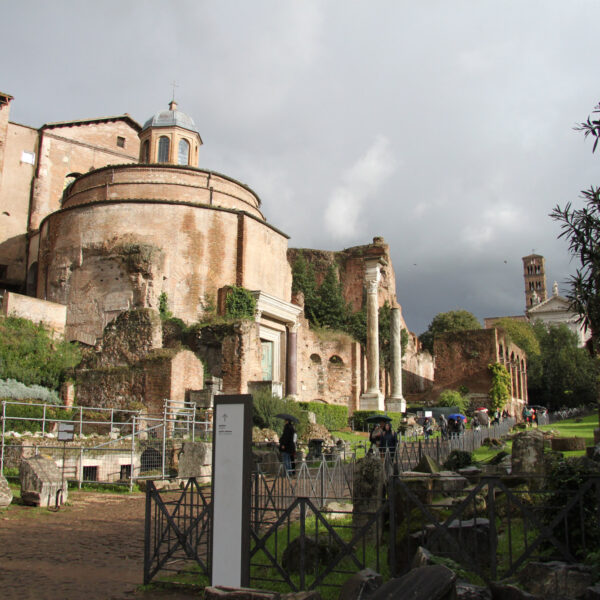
500	390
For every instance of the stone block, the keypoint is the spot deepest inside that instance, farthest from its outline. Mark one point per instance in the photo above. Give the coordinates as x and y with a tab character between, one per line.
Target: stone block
434	582
195	460
565	444
528	453
41	479
448	483
427	465
361	586
231	593
6	494
555	578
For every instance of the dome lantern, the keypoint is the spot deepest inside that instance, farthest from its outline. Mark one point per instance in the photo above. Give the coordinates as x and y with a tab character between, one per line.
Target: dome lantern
170	136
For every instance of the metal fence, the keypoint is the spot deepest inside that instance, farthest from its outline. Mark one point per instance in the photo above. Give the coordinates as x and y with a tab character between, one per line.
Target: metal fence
138	446
492	528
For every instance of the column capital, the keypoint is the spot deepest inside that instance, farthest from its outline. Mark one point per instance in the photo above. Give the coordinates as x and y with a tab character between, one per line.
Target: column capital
293	326
372	274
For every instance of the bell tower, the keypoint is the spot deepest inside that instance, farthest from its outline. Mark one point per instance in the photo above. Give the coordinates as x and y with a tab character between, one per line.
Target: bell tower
534	273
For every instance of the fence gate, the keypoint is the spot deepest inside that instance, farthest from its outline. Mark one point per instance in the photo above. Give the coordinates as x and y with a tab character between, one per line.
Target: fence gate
177	530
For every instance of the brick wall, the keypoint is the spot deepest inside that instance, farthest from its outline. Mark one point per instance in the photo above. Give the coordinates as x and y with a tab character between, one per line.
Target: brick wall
328	367
15	188
76	149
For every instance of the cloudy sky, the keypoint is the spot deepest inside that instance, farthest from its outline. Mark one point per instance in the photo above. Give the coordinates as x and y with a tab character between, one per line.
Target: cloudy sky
444	126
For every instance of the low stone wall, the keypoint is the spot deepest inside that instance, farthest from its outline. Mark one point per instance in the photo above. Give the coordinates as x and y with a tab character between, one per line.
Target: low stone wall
51	314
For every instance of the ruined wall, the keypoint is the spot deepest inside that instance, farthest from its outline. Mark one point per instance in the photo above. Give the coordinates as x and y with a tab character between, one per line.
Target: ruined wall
462	359
77	148
417	368
351	269
328	367
15	187
130	370
241	358
53	315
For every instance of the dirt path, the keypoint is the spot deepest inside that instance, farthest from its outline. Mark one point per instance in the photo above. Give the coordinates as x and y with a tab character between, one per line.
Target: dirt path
92	549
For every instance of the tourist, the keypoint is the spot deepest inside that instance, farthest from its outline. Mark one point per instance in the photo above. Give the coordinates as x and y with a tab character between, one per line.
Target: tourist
375	437
443	426
287	446
389	440
427	428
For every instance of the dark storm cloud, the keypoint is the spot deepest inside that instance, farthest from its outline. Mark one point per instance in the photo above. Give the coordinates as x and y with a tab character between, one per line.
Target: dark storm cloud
446	127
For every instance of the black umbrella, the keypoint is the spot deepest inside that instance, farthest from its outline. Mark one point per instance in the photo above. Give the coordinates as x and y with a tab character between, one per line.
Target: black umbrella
378	419
287	417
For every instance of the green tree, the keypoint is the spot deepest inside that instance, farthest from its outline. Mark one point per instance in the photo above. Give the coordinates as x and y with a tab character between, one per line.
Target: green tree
522	334
331	309
305	281
581	228
562	374
453	398
453	320
30	354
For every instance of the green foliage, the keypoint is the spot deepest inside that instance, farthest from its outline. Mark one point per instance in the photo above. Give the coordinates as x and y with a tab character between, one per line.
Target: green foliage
330	309
565	477
30	354
522	334
453	320
581	228
240	303
163	306
305	281
332	416
563	374
357	326
500	391
15	390
27	411
453	398
266	406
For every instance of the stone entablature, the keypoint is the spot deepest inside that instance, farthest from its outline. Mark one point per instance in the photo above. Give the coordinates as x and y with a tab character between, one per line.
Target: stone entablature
173	183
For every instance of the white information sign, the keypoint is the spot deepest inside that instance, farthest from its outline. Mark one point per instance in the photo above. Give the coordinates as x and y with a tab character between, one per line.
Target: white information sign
230	496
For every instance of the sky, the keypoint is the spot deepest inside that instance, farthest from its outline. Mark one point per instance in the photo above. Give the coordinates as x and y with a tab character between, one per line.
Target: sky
445	127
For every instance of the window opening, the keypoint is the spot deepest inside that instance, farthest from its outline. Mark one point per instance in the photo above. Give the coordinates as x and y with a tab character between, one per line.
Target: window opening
183	154
120	141
163	149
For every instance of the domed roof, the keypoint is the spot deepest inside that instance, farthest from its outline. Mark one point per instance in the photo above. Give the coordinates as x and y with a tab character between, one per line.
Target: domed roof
171	118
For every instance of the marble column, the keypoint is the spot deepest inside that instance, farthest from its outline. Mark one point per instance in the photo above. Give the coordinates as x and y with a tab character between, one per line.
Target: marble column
292	359
372	399
396	402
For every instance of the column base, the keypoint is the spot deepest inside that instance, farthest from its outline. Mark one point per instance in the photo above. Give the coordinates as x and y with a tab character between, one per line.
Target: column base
372	401
395	404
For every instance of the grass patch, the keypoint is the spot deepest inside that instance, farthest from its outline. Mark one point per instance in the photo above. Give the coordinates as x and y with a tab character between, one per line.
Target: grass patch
571	428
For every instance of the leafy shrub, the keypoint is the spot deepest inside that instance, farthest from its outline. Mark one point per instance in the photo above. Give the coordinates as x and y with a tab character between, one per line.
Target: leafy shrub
30	354
11	389
457	459
331	416
500	390
453	398
565	478
266	406
240	303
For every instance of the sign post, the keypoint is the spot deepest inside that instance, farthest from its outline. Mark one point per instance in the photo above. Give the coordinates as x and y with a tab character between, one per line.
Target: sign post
231	481
65	434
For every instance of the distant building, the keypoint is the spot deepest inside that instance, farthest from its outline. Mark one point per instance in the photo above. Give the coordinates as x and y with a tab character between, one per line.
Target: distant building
534	274
556	310
538	307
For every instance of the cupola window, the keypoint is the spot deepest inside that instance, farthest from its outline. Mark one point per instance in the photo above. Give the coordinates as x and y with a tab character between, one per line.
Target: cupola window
163	149
183	155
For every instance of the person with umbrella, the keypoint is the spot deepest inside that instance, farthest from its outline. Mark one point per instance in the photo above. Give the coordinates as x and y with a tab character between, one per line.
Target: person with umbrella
287	442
